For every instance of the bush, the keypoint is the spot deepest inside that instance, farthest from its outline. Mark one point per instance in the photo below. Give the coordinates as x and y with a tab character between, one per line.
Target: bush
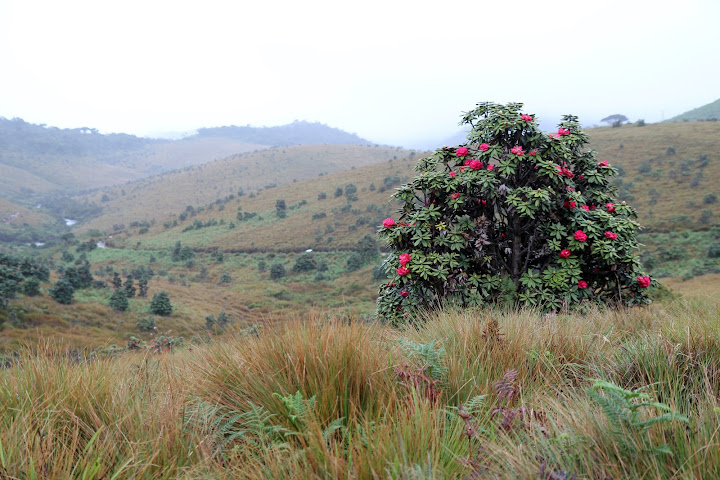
30	287
710	198
277	270
63	291
304	263
160	304
119	301
714	250
514	216
146	324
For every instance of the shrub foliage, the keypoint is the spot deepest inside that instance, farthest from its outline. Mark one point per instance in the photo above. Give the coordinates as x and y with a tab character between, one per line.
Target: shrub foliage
513	215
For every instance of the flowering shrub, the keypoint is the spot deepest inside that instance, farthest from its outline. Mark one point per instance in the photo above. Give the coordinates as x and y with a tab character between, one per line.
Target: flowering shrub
479	236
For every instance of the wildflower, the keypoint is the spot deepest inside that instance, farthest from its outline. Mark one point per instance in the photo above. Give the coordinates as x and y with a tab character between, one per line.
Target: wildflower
461	152
388	222
565	253
452	174
404	259
610	207
586	208
580	236
490	167
563	131
611	235
402	271
532	153
455	196
526	117
644	282
517	150
582	284
404	293
604	163
484	147
476	164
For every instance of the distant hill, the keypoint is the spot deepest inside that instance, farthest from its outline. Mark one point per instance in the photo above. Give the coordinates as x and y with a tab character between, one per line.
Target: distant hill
296	133
709	112
36	159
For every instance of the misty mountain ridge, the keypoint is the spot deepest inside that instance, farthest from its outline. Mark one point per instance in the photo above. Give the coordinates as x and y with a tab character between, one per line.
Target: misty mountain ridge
709	112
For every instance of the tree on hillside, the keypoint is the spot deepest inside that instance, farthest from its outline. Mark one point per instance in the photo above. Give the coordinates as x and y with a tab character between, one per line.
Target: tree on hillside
119	301
615	119
63	291
513	216
160	304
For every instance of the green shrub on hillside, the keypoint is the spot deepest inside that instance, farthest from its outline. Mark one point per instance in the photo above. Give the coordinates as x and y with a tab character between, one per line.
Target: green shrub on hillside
513	215
160	304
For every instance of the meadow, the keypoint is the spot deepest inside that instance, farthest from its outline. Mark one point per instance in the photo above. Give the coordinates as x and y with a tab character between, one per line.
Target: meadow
609	394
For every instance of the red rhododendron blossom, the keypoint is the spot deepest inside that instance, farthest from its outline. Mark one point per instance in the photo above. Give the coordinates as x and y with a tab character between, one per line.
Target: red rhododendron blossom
455	196
404	293
517	151
388	222
532	153
526	117
610	207
476	164
604	163
404	259
563	131
586	208
554	135
484	147
402	271
565	253
462	169
461	152
580	236
644	282
482	202
571	205
466	162
452	174
582	284
569	189
593	207
490	167
611	235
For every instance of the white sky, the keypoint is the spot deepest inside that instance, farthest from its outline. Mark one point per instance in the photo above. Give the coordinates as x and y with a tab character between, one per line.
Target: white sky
394	72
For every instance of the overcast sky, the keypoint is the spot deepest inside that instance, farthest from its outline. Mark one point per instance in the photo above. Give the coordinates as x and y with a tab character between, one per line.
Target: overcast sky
394	72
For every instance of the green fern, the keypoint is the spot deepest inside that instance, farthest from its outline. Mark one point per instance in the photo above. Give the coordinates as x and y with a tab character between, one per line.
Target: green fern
623	409
433	358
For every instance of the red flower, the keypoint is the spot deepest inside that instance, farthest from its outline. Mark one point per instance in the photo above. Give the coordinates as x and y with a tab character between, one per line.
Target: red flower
452	174
586	208
404	259
461	152
582	284
484	147
388	222
482	202
593	207
466	162
569	205
565	253
563	131
402	271
455	196
611	235
526	117
610	207
476	164
404	293
604	163
554	135
644	282
462	169
490	167
517	151
532	153
580	236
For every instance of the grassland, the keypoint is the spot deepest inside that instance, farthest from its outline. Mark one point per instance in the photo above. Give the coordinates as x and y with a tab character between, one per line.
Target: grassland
469	394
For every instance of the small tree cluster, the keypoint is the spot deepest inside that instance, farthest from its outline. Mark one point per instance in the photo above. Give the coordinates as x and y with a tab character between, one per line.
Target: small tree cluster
160	304
514	215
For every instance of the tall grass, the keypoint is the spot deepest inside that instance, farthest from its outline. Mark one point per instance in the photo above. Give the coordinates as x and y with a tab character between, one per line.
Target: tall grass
471	394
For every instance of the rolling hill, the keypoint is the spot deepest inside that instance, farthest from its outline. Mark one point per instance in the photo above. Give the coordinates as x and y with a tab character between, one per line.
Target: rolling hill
709	112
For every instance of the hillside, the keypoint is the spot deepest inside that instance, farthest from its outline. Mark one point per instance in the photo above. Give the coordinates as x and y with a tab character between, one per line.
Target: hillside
169	194
36	159
296	133
709	112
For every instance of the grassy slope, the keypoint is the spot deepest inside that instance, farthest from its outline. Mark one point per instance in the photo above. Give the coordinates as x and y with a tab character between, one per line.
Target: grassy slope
160	197
711	111
328	399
